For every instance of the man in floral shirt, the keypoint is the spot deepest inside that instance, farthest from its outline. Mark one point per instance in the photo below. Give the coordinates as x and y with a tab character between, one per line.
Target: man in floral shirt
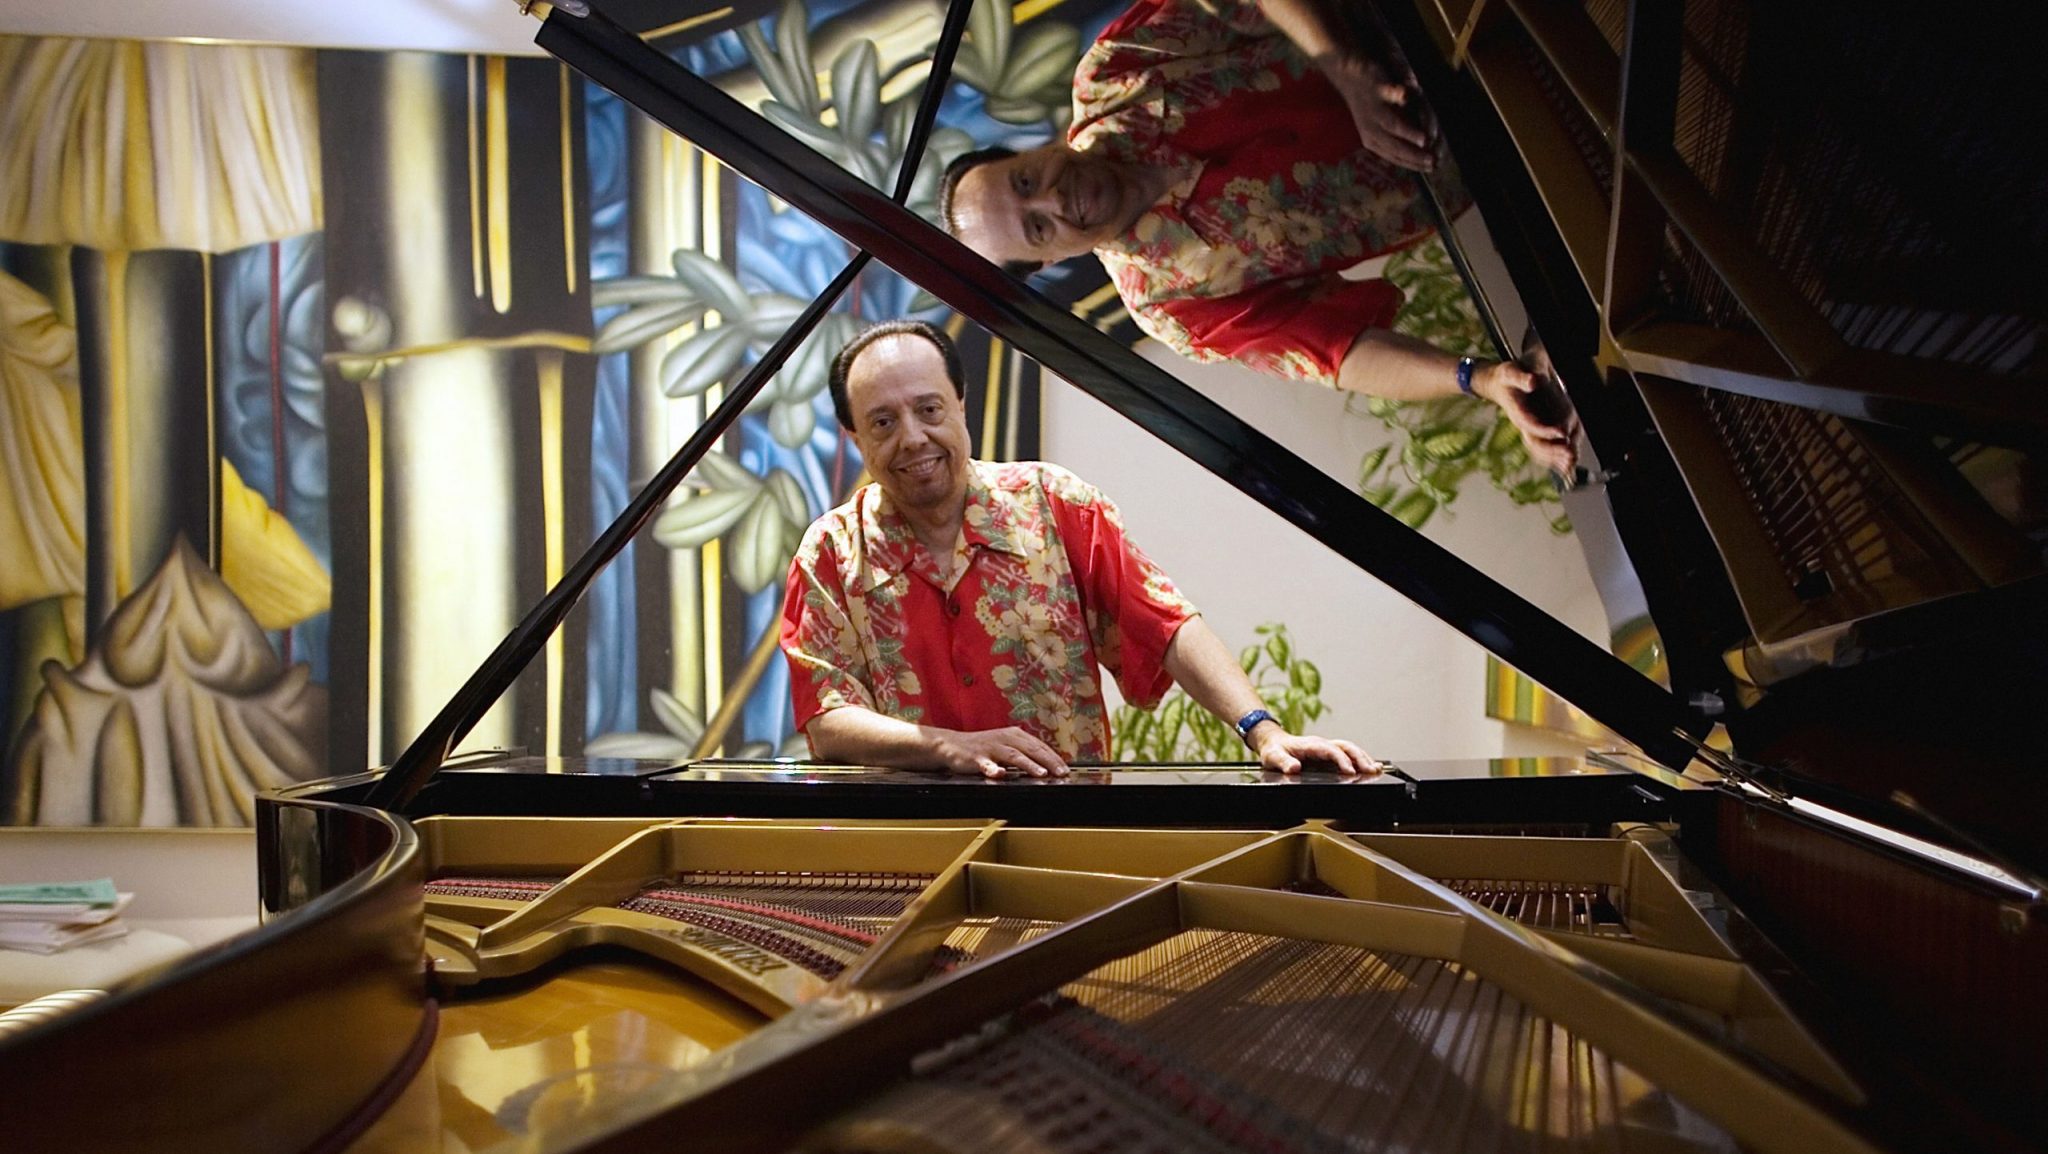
1227	159
955	614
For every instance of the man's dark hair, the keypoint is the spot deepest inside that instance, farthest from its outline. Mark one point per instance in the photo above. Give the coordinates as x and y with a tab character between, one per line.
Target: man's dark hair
842	365
949	183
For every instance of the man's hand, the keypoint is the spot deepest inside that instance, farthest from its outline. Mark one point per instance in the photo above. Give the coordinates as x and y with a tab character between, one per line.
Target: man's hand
995	753
1393	121
1552	441
1283	752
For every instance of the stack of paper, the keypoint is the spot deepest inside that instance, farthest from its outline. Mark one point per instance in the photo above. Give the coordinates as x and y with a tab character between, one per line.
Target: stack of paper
45	917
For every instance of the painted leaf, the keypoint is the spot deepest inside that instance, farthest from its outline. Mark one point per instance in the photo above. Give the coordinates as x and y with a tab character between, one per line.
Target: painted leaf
700	518
770	313
969	69
636	326
1010	110
703	360
791	423
715	284
759	552
857	91
690	523
988	35
1045	58
634	290
650	746
815	135
772	71
718	471
788	493
793	44
674	716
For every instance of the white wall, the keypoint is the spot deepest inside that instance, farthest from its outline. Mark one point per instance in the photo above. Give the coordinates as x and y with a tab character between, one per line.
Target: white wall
1400	682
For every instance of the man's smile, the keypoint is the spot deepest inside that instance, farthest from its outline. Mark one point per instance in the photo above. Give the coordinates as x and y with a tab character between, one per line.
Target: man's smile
922	467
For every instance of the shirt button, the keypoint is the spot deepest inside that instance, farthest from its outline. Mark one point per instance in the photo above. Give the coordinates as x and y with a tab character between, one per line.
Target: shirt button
953	607
967	680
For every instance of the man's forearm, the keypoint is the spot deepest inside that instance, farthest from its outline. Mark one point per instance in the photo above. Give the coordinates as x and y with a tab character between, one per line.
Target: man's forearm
1207	671
859	736
1384	363
1324	36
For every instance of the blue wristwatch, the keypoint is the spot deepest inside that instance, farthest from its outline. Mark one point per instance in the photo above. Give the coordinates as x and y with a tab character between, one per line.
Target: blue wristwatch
1249	722
1465	375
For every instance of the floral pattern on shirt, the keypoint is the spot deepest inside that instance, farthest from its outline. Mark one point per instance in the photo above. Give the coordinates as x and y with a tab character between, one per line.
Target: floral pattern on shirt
1043	588
1274	194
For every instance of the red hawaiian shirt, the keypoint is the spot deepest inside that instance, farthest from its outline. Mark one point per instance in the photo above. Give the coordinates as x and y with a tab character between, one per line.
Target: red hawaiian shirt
1275	195
1045	587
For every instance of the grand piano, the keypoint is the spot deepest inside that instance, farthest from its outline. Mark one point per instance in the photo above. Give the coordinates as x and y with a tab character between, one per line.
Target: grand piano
1797	906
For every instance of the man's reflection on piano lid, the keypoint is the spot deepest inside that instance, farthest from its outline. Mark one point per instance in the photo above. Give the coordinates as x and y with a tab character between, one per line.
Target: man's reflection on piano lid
1227	161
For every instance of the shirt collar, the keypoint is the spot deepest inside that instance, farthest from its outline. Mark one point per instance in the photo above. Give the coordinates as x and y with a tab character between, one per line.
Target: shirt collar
890	545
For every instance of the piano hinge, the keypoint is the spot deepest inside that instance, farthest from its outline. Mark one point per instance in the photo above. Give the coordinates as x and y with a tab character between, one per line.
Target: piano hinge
1736	769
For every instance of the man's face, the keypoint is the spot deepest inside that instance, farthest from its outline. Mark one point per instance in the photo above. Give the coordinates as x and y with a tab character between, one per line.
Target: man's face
909	425
1044	205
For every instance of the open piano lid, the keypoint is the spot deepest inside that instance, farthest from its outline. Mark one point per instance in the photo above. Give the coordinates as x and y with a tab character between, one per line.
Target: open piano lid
1821	735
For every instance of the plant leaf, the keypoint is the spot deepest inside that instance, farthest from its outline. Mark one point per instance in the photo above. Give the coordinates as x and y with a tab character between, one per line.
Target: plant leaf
1279	649
1248	657
689	523
1414	508
715	284
641	324
1371	464
703	360
1451	444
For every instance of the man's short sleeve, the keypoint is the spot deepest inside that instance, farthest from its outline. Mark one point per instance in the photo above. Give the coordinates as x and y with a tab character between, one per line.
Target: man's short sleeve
1132	606
818	636
1299	329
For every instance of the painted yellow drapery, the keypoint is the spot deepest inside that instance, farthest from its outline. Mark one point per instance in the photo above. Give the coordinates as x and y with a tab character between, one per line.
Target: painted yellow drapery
42	465
126	145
